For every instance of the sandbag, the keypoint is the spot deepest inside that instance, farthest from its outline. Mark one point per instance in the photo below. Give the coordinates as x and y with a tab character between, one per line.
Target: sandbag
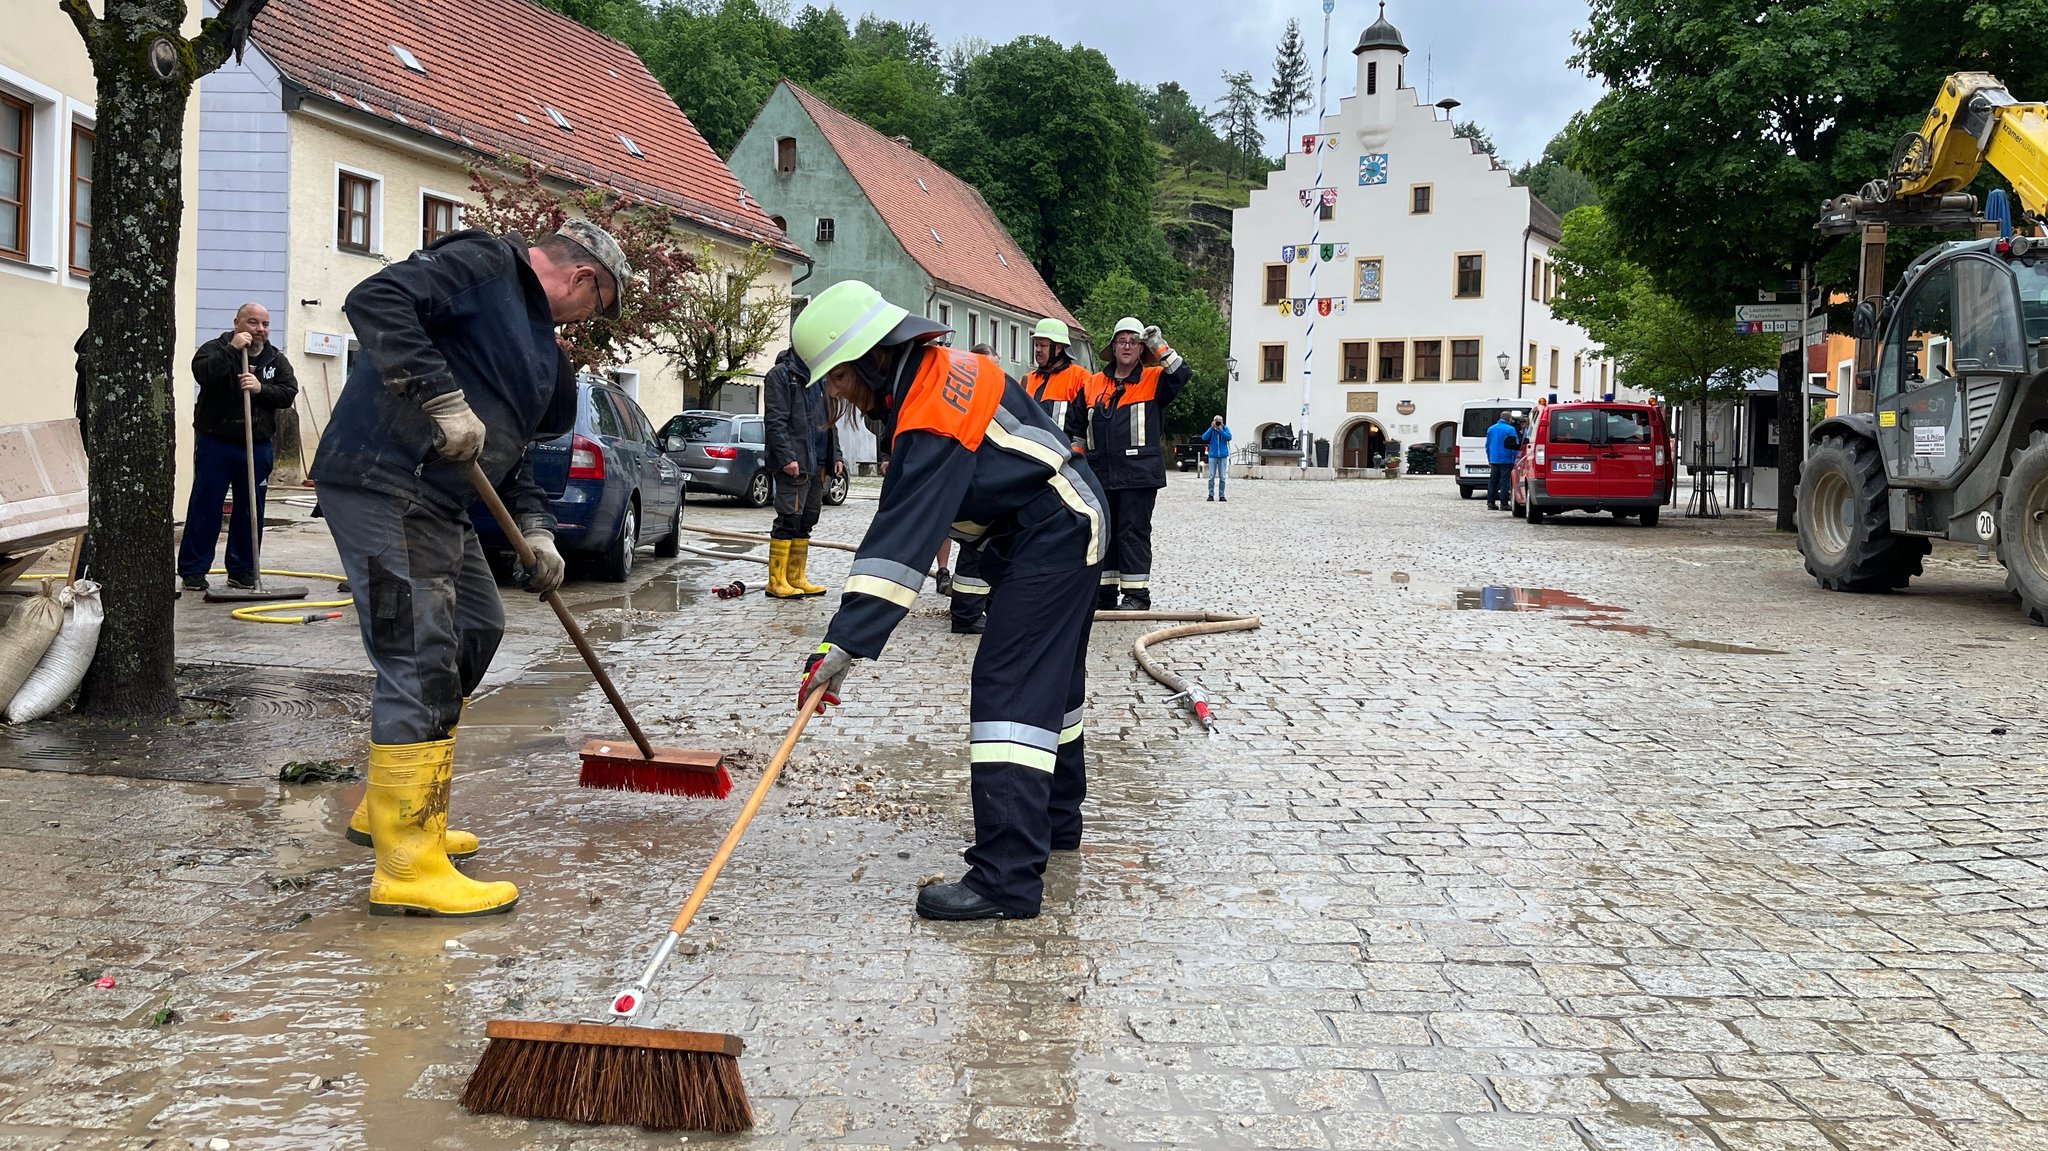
27	636
63	666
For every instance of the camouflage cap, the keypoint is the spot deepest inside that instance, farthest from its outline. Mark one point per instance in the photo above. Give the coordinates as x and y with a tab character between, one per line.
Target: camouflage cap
599	243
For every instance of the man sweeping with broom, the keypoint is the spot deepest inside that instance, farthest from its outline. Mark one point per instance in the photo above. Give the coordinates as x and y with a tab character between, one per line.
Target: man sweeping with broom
460	365
972	452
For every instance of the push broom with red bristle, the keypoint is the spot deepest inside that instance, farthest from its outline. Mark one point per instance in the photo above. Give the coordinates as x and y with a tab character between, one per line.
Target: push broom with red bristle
613	763
613	1073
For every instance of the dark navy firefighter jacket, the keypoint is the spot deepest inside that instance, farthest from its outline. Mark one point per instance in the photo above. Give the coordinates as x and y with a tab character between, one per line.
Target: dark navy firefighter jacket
466	312
973	456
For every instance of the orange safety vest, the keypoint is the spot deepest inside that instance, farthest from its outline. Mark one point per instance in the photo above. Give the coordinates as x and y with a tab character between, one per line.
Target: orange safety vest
1138	391
955	394
1059	387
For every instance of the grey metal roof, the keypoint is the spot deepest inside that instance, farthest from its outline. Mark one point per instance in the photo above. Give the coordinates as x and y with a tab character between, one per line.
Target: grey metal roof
1381	35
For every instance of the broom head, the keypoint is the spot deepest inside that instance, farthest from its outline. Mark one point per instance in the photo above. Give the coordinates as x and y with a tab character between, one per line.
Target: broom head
608	1075
618	765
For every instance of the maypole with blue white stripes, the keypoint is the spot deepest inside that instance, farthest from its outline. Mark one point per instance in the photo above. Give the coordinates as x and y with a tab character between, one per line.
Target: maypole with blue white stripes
1306	441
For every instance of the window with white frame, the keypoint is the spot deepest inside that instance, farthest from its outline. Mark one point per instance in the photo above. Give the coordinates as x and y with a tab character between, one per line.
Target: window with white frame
358	196
17	156
439	215
81	200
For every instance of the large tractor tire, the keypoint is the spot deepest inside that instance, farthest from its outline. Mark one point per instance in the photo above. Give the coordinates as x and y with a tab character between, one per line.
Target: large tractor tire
1844	520
2023	527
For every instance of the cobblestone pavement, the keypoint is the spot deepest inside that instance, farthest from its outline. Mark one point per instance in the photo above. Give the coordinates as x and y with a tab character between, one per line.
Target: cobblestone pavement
1696	856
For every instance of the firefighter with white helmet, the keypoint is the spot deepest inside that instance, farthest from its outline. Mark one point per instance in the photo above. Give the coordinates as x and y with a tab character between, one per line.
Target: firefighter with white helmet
1055	380
1119	424
971	453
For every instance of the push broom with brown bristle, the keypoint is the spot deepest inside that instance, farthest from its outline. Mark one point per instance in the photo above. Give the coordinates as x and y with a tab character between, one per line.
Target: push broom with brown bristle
662	770
612	1074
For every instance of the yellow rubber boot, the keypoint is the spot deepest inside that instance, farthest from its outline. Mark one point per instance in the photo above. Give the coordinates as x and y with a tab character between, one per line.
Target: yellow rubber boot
779	586
458	844
799	559
408	801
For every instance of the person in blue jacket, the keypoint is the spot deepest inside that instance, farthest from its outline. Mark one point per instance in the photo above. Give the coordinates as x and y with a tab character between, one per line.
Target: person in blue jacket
1503	443
1217	436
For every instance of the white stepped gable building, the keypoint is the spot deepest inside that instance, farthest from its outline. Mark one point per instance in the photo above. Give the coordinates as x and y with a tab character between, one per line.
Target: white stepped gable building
1422	270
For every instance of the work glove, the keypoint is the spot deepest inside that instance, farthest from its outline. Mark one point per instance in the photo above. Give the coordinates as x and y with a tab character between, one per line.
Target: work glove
826	666
1157	351
548	567
458	434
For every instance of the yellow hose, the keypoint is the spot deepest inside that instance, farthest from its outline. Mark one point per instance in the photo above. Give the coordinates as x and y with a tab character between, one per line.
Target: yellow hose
264	613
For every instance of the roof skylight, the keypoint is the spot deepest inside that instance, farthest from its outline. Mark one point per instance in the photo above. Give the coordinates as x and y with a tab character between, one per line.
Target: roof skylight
921	187
406	58
935	235
560	120
632	149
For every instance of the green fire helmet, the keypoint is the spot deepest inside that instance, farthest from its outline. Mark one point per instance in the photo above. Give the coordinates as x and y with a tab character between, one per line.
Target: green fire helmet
843	324
1051	329
1128	324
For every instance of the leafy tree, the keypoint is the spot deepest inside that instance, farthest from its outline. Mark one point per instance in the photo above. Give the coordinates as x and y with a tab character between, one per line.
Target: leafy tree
724	319
1236	120
1058	147
1685	354
1726	125
1291	92
515	197
963	53
1482	140
817	44
144	71
1554	181
1117	295
718	64
894	96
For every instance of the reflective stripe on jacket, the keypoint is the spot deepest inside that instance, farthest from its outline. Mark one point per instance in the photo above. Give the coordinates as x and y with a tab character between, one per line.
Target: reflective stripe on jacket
971	455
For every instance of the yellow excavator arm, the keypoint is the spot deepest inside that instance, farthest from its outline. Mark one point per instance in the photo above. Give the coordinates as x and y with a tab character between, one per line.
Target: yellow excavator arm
1974	122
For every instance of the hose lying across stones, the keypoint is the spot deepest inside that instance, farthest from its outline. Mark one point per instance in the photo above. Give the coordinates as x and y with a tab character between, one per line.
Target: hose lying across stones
1190	623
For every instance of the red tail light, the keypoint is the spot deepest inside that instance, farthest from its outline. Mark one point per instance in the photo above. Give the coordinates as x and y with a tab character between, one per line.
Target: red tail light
722	453
586	459
1455	453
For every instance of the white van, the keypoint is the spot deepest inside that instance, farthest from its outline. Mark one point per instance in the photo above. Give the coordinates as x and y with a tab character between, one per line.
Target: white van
1472	470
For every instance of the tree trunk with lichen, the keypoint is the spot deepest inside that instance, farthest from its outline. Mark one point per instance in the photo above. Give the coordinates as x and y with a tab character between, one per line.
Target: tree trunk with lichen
146	71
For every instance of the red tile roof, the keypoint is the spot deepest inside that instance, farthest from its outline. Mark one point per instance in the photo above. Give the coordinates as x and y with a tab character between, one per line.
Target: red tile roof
493	68
939	218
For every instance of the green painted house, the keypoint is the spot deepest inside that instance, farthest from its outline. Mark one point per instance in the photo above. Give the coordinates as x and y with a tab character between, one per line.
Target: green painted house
869	207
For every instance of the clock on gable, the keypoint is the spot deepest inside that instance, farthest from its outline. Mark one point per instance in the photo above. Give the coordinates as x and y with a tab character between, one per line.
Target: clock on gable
1372	168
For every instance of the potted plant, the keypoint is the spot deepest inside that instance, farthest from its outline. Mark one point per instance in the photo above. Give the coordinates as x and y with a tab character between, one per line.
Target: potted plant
1393	459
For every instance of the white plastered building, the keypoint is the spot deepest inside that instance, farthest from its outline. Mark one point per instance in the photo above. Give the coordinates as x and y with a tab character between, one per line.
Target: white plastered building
1427	280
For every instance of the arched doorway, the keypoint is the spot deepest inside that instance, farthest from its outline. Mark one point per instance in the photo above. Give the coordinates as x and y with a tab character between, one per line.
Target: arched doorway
1445	436
1365	445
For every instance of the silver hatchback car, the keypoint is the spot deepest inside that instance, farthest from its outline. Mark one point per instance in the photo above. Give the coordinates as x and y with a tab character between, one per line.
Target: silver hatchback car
723	452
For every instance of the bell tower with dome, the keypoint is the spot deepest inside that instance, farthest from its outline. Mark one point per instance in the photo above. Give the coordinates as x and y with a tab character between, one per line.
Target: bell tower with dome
1381	76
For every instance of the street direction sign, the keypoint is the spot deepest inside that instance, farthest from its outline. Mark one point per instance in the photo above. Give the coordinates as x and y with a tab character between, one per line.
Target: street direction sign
1747	312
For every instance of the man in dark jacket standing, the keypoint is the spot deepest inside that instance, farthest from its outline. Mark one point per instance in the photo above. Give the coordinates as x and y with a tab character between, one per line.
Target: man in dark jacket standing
241	360
460	367
803	452
1118	424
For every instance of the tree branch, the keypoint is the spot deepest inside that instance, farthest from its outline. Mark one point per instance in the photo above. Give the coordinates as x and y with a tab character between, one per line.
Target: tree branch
222	36
88	25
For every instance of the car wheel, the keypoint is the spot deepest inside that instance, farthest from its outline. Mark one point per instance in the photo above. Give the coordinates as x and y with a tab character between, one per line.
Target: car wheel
1465	493
671	545
756	495
617	561
836	489
1515	503
1649	517
1536	515
1844	517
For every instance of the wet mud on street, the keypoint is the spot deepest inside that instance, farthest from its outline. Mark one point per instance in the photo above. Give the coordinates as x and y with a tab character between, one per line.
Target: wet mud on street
1566	836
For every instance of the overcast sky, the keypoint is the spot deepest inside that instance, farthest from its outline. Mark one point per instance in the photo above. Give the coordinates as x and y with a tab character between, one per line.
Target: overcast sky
1504	59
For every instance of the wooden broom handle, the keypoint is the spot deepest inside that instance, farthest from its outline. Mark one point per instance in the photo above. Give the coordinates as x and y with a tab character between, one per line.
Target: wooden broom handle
739	826
249	456
499	512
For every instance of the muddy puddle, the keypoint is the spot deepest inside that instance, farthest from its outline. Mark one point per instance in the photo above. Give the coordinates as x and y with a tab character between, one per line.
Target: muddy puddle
1580	611
235	724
